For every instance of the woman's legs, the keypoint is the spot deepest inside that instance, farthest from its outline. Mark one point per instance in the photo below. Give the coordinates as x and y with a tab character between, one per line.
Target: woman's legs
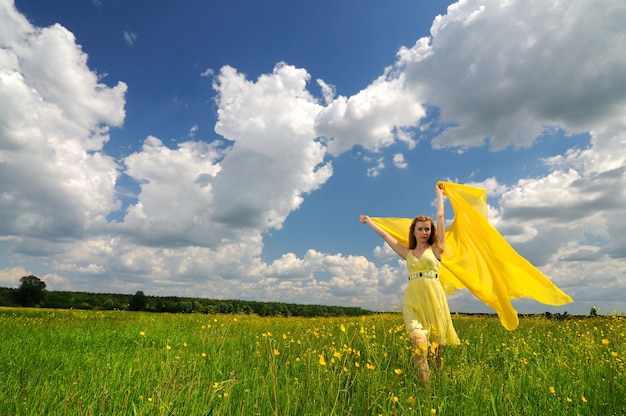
439	356
420	354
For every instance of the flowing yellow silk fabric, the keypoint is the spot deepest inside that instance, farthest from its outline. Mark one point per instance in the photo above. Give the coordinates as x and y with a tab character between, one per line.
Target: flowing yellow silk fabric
478	258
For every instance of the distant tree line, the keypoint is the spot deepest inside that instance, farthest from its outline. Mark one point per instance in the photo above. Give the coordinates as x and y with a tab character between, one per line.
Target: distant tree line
32	293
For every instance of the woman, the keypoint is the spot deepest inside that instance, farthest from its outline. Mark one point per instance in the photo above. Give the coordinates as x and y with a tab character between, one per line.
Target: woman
426	313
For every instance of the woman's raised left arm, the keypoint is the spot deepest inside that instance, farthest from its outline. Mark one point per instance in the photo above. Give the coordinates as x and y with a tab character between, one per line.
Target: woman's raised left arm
441	221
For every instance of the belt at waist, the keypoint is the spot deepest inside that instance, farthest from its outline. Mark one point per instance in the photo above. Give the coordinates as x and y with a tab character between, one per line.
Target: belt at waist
426	273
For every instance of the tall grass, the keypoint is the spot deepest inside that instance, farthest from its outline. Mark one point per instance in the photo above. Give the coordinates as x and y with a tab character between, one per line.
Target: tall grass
123	363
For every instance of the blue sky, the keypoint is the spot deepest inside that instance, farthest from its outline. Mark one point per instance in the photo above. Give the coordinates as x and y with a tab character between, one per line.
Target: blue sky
226	150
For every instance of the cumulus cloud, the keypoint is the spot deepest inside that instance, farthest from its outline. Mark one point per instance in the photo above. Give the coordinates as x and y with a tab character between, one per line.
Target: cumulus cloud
10	277
328	91
54	121
176	192
399	162
275	159
506	71
375	170
373	118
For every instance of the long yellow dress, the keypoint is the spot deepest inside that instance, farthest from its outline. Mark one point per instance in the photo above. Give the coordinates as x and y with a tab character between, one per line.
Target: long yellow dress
425	306
478	258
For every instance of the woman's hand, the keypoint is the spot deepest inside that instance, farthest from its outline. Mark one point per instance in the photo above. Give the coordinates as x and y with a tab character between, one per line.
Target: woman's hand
363	218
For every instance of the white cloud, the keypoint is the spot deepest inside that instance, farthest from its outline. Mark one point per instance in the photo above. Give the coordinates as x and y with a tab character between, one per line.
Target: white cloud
176	193
11	277
56	282
275	159
130	37
399	162
505	71
328	91
375	170
373	118
56	182
192	131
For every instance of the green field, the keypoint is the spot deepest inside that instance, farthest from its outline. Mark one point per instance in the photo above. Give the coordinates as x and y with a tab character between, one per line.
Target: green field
68	362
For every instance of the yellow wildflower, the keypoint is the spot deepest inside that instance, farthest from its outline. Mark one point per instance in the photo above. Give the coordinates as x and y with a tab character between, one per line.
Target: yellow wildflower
552	389
398	371
322	360
370	366
605	342
433	411
584	399
276	352
395	399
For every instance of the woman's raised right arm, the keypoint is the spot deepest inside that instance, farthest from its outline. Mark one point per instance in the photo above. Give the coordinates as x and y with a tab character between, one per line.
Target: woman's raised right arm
395	246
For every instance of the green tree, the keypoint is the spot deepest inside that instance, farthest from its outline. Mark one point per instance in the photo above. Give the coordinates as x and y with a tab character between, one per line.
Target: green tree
8	296
138	301
185	306
32	291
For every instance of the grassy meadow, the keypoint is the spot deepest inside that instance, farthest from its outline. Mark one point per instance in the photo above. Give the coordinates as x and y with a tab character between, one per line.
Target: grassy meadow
71	362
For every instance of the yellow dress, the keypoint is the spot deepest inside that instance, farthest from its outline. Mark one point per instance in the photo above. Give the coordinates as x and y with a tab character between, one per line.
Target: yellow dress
425	305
